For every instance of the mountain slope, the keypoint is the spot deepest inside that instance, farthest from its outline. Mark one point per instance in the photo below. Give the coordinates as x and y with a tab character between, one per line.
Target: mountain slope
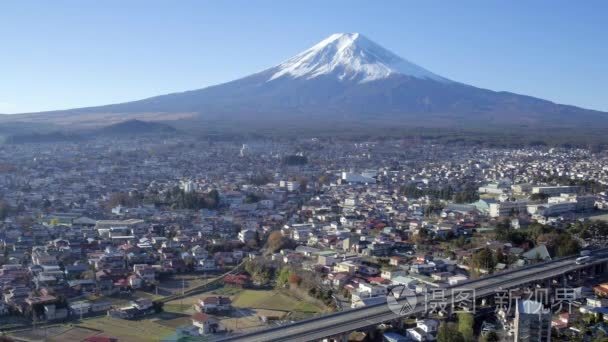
344	77
135	127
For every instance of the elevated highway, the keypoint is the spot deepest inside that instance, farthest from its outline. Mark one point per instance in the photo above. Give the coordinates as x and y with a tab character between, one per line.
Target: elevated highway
343	322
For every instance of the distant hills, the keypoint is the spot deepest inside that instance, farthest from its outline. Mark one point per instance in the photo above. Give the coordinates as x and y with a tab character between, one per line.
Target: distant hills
345	82
129	128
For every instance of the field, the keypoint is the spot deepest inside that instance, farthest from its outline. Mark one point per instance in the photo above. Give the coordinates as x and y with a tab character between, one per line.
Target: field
125	330
273	300
75	334
252	309
249	299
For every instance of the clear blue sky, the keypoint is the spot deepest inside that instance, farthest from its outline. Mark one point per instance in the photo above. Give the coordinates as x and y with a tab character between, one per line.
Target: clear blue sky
64	54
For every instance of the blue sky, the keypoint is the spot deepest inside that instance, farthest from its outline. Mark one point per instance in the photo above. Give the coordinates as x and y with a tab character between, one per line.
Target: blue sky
65	54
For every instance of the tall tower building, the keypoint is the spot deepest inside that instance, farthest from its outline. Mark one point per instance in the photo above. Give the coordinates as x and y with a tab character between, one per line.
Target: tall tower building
532	322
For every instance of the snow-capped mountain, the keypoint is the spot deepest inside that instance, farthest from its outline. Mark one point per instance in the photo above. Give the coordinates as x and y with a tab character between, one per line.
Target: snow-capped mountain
345	78
350	56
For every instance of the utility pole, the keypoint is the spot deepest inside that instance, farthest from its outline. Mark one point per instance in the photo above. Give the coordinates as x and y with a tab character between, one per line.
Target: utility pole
181	300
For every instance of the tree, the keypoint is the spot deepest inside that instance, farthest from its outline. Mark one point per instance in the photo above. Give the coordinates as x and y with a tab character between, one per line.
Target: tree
180	199
252	198
483	259
421	236
303	184
490	337
324	179
283	276
465	326
119	198
449	333
501	257
5	209
275	241
567	246
539	197
294	279
261	179
293	160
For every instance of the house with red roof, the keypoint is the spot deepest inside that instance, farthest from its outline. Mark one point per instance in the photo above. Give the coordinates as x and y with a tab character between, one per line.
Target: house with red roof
206	324
237	280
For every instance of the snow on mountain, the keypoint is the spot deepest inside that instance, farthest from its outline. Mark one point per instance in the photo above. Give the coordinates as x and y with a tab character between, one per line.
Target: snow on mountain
353	57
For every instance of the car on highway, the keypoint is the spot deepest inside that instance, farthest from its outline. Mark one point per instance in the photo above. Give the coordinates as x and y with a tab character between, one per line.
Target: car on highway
583	260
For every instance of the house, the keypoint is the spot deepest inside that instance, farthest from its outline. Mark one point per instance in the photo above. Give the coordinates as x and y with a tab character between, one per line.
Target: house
301	234
143	304
138	308
394	337
80	308
372	290
237	280
539	253
457	279
345	267
215	304
52	312
206	265
199	252
145	272
74	271
601	290
338	280
205	323
83	285
326	260
246	235
425	330
358	302
135	282
100	306
597	302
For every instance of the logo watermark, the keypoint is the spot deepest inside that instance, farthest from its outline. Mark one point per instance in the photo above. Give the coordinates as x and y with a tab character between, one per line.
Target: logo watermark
404	301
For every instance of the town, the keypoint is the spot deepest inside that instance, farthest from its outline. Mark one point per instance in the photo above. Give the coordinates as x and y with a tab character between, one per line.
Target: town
147	238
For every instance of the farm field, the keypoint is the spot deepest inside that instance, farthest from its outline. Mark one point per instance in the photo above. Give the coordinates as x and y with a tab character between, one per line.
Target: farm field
126	330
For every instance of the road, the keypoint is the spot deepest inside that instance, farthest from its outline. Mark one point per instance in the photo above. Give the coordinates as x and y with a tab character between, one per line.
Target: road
341	322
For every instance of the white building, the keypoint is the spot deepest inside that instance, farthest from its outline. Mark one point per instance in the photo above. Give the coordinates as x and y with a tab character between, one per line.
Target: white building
507	208
350	177
292	186
187	186
555	190
425	330
563	204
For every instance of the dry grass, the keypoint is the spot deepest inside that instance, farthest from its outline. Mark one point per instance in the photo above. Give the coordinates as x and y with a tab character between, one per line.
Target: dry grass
126	330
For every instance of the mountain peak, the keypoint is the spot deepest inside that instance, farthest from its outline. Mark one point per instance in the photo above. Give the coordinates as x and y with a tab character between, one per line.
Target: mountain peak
349	57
